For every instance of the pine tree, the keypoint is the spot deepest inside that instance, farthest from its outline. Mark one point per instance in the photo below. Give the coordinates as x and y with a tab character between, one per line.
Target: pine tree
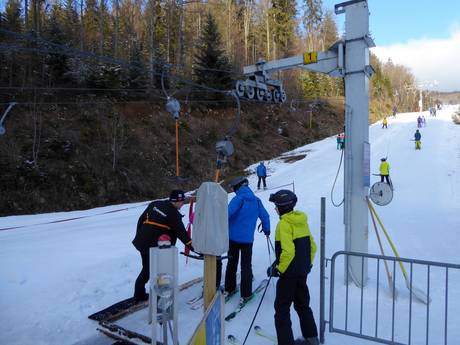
211	64
12	16
328	29
54	32
283	13
312	18
136	74
71	22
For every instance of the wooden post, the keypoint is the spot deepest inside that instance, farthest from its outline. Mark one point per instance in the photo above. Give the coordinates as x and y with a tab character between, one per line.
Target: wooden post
209	279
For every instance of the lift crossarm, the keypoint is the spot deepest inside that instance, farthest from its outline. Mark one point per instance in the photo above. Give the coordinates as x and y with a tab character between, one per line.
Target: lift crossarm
323	62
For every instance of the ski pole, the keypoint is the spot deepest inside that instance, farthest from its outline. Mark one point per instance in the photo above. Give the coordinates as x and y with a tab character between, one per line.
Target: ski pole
269	253
258	307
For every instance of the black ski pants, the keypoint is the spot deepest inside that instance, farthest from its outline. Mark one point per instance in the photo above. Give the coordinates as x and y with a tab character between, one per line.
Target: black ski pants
246	268
143	278
261	178
384	177
288	291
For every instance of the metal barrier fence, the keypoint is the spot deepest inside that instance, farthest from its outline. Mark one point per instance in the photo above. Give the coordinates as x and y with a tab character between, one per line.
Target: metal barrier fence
362	312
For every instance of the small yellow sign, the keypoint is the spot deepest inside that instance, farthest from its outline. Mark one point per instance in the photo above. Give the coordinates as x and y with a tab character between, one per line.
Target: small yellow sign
310	57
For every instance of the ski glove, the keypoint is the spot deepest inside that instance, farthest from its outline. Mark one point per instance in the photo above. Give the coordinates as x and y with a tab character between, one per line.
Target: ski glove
272	271
267	232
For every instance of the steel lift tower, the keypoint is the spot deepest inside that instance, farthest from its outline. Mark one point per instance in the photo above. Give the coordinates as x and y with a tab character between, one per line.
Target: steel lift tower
348	58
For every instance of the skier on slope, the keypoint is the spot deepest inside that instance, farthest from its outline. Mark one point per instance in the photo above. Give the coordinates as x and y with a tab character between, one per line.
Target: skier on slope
159	218
243	211
394	110
384	170
417	137
261	174
385	123
295	250
419	122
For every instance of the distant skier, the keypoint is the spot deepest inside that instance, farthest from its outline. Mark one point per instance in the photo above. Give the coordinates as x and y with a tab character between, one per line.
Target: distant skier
423	121
261	174
339	142
394	111
342	140
419	122
417	137
295	251
161	217
384	170
243	211
385	122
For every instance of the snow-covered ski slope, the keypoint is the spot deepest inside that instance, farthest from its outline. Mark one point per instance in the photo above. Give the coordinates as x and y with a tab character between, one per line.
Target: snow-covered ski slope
52	276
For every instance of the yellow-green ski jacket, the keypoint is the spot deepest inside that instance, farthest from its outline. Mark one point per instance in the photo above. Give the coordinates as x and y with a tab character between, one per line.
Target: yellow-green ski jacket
294	245
384	168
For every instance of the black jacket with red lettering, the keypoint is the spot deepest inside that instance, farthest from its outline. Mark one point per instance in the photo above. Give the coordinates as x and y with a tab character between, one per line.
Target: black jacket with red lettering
160	217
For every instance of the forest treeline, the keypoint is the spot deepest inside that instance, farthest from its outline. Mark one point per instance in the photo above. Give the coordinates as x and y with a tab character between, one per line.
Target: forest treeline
129	44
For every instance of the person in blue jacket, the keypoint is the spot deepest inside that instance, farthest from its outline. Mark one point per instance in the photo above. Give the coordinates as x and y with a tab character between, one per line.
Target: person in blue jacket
261	174
243	211
417	137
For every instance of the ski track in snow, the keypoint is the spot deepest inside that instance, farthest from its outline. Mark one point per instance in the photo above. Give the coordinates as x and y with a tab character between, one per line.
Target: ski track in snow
54	275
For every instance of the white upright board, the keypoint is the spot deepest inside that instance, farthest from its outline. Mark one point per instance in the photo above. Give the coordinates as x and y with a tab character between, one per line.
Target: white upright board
210	224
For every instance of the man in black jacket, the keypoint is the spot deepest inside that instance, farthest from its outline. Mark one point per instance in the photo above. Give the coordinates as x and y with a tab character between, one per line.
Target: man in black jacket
161	217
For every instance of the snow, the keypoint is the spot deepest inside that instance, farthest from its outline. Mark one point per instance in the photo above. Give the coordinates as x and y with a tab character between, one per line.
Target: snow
53	275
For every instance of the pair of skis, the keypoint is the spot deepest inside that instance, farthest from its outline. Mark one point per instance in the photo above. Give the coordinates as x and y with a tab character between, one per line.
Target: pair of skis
243	303
233	340
198	302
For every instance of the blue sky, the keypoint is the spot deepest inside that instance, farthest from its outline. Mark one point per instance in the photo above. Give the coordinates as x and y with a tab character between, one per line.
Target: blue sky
396	21
423	35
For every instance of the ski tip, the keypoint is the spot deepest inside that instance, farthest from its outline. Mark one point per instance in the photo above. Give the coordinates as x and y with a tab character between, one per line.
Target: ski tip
257	328
230	316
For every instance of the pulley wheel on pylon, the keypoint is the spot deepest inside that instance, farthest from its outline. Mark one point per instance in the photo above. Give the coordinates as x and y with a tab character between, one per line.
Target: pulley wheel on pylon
268	96
250	92
276	96
260	93
381	193
240	88
283	96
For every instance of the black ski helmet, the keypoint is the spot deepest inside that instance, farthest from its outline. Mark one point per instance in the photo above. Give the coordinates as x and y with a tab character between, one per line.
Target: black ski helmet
237	182
283	198
383	159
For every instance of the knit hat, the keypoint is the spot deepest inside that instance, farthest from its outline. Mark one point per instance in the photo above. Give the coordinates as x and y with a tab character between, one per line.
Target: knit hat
177	195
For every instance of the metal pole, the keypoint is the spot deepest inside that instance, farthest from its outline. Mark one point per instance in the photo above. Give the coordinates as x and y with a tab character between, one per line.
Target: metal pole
322	270
357	71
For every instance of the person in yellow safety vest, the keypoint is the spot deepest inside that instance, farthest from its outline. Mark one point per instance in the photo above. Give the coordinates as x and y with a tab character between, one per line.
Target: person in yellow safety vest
385	122
384	170
295	250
